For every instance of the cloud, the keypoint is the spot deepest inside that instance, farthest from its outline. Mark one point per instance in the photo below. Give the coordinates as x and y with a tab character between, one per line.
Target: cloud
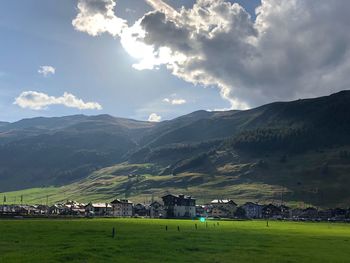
175	101
293	49
46	70
154	118
97	16
163	7
37	101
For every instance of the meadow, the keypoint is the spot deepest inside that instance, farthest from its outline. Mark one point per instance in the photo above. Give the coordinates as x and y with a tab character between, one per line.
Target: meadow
146	240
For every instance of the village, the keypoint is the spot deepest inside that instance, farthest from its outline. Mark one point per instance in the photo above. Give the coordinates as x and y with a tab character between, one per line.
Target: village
175	207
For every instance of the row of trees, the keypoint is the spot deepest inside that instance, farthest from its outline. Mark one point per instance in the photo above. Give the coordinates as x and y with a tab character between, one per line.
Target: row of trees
287	139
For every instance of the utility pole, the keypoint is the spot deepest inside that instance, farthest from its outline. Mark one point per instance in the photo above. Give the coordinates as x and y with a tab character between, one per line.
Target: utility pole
3	203
282	193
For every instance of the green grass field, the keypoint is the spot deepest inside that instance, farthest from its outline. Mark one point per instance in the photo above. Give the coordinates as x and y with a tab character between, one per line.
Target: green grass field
142	240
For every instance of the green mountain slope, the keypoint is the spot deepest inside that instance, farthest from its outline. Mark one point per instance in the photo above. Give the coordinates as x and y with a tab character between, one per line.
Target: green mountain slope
40	153
331	114
299	150
316	178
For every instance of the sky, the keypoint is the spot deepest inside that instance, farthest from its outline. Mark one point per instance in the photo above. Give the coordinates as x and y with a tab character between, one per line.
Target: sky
156	60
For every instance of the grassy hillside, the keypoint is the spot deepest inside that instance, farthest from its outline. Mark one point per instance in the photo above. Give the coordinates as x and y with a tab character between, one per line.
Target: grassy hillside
119	181
316	178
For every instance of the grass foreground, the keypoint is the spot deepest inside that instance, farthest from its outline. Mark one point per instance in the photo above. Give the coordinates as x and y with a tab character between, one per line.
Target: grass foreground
145	240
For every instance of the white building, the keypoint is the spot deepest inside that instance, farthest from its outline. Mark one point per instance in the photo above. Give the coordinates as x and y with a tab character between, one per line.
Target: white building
179	206
225	208
121	208
98	209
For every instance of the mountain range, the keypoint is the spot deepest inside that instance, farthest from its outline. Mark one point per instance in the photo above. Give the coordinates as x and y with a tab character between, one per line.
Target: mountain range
295	151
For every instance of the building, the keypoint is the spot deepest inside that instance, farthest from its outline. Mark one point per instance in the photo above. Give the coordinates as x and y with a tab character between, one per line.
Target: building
98	209
122	208
78	211
201	211
310	212
325	214
179	206
25	210
271	211
285	211
225	208
56	209
141	210
156	210
18	210
70	208
253	210
296	213
339	213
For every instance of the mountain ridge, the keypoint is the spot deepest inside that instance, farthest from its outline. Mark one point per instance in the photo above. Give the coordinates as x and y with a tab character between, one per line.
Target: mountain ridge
252	146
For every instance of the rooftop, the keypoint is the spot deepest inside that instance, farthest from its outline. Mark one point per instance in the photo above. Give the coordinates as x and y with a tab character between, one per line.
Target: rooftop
121	201
101	205
180	196
223	201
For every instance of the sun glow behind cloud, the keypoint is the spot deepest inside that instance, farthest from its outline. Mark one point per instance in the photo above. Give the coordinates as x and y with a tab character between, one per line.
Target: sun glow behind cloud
137	49
96	17
250	61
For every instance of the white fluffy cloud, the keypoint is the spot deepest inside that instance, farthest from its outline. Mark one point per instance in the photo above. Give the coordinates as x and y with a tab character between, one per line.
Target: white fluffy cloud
175	101
293	49
97	16
46	70
38	101
154	117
